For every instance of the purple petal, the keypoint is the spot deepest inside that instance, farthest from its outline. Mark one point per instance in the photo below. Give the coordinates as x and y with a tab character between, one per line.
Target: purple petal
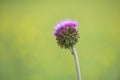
64	24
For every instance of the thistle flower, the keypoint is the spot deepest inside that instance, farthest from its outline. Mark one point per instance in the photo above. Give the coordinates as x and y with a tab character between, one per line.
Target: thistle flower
66	33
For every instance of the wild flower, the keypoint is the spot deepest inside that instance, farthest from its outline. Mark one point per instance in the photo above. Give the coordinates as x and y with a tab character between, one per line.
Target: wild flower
66	33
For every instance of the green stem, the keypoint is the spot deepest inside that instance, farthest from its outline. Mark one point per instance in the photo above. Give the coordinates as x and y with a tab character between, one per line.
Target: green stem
76	62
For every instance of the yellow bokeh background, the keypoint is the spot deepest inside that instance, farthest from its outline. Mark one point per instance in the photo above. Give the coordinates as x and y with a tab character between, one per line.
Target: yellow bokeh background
28	49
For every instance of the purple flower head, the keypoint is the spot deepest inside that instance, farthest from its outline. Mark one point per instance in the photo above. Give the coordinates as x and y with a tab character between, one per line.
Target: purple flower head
64	24
66	33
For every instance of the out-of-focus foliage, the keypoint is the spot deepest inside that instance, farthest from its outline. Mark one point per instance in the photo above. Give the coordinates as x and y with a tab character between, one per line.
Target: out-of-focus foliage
28	49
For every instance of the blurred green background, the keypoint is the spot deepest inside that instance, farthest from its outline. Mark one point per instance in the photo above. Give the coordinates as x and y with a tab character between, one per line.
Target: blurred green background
28	49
